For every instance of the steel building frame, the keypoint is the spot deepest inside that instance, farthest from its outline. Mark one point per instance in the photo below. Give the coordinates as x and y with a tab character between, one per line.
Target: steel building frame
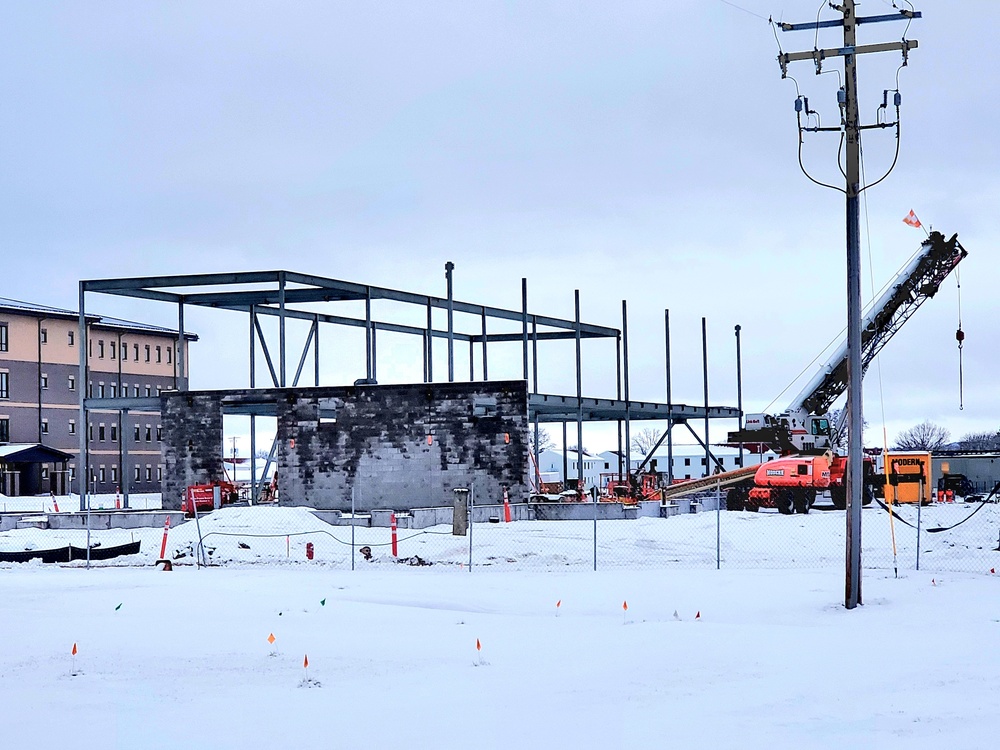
275	293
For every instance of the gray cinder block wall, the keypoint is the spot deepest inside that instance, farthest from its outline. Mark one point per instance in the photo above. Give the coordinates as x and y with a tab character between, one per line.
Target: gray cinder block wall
372	440
192	442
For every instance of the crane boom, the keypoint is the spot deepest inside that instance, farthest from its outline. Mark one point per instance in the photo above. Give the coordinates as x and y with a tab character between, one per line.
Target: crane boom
803	426
913	286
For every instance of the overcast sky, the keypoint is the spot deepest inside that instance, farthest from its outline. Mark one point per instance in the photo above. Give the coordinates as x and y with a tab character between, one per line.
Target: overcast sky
640	150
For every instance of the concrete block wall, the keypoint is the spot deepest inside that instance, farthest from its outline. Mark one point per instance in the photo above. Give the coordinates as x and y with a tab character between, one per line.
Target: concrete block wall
192	442
369	440
402	446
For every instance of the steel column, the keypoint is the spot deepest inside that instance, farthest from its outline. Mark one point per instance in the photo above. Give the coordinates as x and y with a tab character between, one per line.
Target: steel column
281	327
628	419
670	403
486	372
704	364
524	327
739	391
449	267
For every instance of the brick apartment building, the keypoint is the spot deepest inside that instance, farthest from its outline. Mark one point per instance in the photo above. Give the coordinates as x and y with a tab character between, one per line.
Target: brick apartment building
39	398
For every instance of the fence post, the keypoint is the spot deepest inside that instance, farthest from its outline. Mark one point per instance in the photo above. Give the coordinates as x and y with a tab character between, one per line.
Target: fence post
472	508
353	521
920	502
593	494
718	524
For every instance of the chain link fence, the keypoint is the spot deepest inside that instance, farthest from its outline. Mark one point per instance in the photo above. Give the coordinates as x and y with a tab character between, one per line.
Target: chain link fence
695	532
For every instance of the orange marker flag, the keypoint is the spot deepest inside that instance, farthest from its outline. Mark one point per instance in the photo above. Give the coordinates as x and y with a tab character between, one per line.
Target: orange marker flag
305	662
911	220
479	646
558	604
993	570
698	615
625	606
271	639
74	649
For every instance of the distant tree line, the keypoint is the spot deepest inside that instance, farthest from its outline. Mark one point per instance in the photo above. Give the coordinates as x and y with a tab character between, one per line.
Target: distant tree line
928	436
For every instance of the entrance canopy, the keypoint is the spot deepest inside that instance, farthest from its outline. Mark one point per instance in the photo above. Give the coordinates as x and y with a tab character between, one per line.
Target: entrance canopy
31	453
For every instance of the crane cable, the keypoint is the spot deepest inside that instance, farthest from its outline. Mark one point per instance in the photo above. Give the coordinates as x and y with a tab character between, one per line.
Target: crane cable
960	338
878	369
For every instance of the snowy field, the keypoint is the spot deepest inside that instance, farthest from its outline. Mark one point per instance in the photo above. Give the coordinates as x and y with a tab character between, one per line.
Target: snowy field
181	659
69	503
273	535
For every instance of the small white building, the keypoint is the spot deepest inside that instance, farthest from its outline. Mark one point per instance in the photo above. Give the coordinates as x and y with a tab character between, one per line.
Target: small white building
689	460
550	463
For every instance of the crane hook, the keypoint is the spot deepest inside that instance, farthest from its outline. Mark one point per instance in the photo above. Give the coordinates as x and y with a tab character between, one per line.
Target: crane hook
960	338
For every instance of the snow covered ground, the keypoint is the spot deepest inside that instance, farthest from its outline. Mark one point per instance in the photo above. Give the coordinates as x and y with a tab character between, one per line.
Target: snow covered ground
70	503
181	659
274	535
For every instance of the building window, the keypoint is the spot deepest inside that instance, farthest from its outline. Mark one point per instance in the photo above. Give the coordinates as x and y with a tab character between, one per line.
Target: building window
114	433
170	350
3	337
114	390
148	392
124	352
159	469
72	427
135	390
147	352
159	354
72	471
159	390
72	382
4	385
100	390
4	430
137	436
43	335
71	337
100	475
687	461
159	433
135	352
136	474
45	472
112	349
114	474
149	433
90	432
44	381
45	427
100	432
149	473
100	349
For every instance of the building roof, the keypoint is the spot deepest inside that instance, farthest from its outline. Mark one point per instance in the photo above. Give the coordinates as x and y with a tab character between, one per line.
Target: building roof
102	321
31	453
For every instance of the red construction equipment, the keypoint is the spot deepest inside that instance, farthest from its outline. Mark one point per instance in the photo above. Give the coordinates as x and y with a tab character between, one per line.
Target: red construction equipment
201	497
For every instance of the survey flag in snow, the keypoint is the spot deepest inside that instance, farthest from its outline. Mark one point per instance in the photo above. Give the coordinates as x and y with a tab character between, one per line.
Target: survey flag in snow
911	219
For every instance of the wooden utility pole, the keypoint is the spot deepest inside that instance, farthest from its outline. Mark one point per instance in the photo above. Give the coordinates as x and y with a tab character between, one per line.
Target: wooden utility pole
850	130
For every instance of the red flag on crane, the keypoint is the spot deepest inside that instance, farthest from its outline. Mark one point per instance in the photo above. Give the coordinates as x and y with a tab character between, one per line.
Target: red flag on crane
911	220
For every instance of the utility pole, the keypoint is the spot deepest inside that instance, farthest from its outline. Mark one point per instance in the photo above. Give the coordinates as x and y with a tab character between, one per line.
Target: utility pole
850	129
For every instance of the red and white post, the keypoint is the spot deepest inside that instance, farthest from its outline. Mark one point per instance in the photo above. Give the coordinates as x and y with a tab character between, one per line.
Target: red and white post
506	506
392	527
163	546
118	498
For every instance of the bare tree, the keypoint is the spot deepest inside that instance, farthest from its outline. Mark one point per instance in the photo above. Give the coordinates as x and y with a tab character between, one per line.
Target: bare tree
925	436
545	441
643	440
980	441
